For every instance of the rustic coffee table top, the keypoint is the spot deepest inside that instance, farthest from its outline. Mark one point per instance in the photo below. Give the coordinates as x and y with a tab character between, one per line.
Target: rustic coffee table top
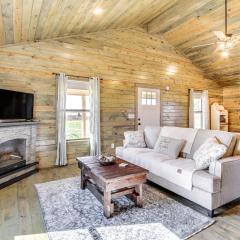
112	172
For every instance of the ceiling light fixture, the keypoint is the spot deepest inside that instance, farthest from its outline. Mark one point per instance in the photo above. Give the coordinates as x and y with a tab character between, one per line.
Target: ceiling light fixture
171	70
225	54
98	11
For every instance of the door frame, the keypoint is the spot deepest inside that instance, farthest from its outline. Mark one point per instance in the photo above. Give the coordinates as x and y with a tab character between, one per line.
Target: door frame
142	85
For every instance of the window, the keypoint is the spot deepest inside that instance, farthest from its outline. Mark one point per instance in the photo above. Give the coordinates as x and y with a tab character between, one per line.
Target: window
77	110
149	98
198	111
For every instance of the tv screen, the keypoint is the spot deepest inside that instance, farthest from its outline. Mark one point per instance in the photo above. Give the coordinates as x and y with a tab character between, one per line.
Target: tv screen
15	105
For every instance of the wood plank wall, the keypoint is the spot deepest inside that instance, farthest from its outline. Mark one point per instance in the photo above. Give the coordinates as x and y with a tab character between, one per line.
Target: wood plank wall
231	101
123	58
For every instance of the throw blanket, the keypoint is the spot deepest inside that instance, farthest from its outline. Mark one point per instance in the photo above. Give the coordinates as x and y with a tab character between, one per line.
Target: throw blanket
179	171
188	134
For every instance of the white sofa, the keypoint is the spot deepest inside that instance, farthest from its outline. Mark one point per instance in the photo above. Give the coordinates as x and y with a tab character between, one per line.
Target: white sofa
211	188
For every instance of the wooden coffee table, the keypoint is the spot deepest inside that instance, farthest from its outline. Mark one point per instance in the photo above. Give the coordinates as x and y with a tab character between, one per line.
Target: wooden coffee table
108	182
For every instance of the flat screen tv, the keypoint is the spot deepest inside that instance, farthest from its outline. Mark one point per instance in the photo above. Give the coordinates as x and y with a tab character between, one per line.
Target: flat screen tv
15	106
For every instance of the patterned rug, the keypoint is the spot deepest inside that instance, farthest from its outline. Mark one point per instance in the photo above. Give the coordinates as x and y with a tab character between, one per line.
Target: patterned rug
73	214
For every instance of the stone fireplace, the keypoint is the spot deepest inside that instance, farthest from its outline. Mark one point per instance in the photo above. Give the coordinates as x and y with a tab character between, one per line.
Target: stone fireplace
17	150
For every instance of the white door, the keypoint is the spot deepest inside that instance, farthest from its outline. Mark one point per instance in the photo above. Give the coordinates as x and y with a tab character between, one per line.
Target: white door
148	107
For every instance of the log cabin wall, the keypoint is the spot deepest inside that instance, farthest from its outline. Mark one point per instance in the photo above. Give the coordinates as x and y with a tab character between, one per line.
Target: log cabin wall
124	59
231	101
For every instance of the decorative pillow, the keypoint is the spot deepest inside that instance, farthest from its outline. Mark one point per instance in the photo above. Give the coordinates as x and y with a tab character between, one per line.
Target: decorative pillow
134	139
169	146
211	150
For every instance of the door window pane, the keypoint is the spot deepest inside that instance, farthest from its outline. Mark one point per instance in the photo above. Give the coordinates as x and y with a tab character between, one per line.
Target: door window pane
149	98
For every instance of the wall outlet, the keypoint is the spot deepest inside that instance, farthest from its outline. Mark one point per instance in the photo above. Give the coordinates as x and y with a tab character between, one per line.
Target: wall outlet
112	145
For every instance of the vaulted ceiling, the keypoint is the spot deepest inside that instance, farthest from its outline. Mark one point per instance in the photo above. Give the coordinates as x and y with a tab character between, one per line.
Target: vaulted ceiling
184	23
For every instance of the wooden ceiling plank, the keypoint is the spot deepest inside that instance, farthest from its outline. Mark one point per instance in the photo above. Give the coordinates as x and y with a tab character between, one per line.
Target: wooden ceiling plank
36	8
81	9
7	15
176	15
77	6
46	5
17	20
56	24
26	18
2	29
111	14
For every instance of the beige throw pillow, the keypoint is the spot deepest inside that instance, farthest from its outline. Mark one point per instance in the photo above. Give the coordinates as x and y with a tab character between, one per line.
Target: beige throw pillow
211	150
169	146
134	139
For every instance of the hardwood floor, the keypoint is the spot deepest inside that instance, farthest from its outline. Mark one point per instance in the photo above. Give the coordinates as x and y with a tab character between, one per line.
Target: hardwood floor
21	218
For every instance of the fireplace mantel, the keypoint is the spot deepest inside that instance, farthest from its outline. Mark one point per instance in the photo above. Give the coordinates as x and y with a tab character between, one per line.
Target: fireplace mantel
12	124
20	130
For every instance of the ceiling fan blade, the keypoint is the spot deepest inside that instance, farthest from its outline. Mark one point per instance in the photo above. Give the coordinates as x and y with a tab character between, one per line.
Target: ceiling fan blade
203	45
220	35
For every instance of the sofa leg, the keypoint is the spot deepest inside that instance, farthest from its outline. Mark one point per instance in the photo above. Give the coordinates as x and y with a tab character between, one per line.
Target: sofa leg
211	213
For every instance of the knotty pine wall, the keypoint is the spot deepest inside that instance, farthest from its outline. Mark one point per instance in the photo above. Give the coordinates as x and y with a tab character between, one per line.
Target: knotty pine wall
231	101
124	59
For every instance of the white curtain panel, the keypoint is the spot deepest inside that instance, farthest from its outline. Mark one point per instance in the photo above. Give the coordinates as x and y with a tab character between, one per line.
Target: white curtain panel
61	159
94	97
191	108
205	103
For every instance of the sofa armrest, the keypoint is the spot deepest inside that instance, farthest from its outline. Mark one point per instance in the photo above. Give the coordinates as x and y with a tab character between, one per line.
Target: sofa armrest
225	164
228	169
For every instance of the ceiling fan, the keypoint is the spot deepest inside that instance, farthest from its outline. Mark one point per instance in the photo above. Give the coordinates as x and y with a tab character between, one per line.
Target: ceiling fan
225	40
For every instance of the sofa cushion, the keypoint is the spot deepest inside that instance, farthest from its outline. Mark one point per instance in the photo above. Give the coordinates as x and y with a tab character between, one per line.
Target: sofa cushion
181	170
130	154
226	138
188	134
134	139
151	160
169	146
151	134
210	151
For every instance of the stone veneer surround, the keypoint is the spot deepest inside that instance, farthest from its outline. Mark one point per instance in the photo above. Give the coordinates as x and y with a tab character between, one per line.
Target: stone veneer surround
25	131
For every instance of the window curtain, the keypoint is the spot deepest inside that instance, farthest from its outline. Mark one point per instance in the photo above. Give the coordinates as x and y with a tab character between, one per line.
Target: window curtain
205	105
61	158
191	108
94	97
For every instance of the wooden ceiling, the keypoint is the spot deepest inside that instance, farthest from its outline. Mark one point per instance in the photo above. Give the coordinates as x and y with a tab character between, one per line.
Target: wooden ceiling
184	23
31	20
192	22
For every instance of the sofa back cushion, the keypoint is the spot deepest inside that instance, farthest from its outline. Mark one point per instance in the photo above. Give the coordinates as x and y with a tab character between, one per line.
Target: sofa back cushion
169	146
226	138
151	134
237	145
187	134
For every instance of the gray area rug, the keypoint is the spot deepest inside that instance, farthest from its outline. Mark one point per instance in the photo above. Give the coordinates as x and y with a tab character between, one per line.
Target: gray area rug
73	214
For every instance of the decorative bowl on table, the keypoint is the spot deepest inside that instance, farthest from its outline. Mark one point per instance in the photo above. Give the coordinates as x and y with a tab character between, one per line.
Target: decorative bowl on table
106	160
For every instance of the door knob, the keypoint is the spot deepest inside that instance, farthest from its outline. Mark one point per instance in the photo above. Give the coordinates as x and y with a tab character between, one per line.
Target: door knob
139	124
139	119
